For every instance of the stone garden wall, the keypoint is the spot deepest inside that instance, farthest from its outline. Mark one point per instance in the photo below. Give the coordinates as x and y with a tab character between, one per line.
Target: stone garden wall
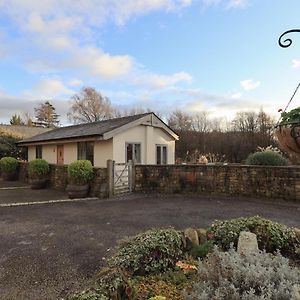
254	181
58	179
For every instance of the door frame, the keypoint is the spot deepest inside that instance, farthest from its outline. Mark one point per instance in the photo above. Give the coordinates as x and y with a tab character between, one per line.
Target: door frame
58	159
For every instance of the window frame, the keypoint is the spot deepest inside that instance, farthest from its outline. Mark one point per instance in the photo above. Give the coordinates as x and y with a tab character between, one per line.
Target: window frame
133	152
161	147
86	156
38	152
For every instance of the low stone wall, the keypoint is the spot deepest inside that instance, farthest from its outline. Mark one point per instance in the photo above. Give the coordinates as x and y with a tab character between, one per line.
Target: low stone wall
254	181
58	179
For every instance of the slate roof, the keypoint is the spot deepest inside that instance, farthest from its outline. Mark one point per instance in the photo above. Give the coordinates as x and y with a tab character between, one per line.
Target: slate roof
83	130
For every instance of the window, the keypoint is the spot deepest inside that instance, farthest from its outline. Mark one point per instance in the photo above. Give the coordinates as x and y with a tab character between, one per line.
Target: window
38	152
85	150
133	152
161	154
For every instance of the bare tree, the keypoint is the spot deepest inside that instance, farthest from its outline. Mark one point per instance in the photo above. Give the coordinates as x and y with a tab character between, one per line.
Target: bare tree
28	120
201	122
245	121
179	120
89	106
265	123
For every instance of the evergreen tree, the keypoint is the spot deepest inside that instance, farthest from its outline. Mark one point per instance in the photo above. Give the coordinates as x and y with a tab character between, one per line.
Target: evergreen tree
16	120
46	115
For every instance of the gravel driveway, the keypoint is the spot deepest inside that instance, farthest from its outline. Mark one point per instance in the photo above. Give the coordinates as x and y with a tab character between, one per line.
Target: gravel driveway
50	250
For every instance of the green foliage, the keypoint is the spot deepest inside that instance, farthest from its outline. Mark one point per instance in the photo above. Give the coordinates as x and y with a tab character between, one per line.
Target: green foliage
38	168
228	275
8	164
169	285
8	144
16	120
89	294
153	251
110	283
270	235
201	251
291	117
80	171
266	158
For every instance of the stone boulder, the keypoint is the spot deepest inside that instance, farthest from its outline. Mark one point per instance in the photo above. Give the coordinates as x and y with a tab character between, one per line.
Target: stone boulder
247	243
297	232
191	236
202	235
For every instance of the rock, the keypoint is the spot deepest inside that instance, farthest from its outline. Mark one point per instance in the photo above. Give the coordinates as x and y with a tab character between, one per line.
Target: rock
183	239
247	243
192	236
201	235
297	232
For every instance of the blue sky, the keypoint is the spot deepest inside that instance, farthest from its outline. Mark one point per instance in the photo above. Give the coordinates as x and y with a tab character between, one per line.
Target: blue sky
220	56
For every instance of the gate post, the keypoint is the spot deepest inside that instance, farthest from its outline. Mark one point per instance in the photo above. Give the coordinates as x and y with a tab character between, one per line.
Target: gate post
110	178
130	163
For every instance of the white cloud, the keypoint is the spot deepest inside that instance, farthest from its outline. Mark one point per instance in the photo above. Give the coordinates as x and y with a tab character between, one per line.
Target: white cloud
237	4
249	84
236	96
62	40
157	81
90	12
51	88
295	64
228	4
75	82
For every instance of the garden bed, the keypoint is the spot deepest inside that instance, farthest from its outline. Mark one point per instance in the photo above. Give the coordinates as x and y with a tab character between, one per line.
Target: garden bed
164	264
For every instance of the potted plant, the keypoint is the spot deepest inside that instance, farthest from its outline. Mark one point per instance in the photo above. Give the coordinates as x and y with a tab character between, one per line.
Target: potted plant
288	131
80	172
9	167
38	169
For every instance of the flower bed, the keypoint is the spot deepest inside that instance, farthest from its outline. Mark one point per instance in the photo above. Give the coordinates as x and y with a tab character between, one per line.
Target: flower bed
164	264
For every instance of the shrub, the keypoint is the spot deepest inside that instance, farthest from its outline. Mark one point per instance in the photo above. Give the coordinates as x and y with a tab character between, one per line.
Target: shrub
270	235
266	158
153	251
201	251
169	285
228	275
8	164
291	117
110	283
38	168
80	172
89	294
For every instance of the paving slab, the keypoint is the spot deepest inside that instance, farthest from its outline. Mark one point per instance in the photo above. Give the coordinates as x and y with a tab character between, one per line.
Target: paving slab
49	251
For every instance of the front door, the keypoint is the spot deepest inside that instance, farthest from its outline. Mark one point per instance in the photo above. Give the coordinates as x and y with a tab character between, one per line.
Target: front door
60	154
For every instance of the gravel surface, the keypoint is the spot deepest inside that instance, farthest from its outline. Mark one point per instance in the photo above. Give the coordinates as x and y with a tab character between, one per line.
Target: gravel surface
48	251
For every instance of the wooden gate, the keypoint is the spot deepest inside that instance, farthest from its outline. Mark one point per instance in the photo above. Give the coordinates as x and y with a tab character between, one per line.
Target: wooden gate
122	178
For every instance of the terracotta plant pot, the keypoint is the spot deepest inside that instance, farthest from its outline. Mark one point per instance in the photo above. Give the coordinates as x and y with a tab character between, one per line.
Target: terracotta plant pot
77	191
38	184
9	176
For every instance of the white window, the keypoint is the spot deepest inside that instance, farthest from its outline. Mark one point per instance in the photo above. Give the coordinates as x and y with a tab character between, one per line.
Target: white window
161	155
133	152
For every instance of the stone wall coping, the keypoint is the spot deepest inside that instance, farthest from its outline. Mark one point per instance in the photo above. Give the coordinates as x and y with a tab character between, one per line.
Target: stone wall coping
221	166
